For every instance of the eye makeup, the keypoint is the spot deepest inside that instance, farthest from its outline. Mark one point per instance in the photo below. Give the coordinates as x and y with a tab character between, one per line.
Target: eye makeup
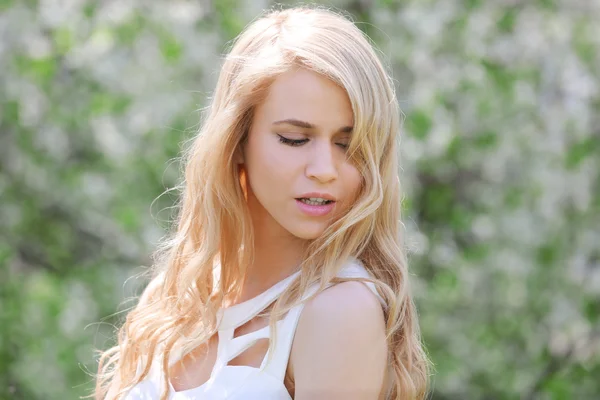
300	142
292	142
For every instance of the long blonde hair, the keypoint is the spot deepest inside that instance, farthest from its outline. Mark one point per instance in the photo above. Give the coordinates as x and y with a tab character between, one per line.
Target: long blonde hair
179	306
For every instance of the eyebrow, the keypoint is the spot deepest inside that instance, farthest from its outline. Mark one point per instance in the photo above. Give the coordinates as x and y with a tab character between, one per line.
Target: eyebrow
308	125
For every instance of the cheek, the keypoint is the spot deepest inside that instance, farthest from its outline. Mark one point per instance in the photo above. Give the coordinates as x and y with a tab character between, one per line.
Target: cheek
352	182
268	167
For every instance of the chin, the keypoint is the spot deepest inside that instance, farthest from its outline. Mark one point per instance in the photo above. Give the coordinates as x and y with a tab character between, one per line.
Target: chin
308	232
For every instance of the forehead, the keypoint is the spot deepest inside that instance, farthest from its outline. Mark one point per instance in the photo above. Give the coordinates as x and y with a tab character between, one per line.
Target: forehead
306	95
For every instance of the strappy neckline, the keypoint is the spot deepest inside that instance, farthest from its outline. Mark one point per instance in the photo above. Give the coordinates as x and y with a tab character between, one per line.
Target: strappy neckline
224	378
233	317
240	313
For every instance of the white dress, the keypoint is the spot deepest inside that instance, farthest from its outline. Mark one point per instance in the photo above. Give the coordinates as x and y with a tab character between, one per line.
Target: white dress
234	382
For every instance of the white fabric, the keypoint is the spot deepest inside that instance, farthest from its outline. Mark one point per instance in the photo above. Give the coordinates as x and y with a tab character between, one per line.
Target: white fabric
245	382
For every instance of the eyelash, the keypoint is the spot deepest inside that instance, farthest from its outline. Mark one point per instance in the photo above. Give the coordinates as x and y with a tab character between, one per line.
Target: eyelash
300	142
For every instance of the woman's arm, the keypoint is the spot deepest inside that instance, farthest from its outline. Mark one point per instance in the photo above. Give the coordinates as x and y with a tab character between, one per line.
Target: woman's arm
339	349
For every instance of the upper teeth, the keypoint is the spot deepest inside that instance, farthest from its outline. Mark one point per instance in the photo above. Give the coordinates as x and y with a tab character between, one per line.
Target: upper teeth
317	199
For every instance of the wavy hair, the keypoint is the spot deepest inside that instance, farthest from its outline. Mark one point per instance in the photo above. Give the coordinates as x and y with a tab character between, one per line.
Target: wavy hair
213	227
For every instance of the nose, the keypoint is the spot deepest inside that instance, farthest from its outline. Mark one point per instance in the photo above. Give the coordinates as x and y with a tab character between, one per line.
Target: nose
321	164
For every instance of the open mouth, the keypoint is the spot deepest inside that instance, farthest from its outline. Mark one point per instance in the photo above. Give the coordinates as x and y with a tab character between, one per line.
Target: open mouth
314	201
315	206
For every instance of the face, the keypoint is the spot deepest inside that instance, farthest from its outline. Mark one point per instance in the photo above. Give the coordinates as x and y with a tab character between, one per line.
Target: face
297	151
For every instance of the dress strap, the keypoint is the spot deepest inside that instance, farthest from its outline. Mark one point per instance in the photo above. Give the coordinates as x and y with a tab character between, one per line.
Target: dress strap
239	314
277	366
287	329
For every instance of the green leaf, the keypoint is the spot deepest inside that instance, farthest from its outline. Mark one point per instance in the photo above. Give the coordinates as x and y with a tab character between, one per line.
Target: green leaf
89	9
476	252
580	151
550	5
513	197
42	70
170	48
499	75
5	4
472	4
486	140
506	23
10	112
128	217
103	103
230	21
591	307
129	31
418	124
547	254
559	388
63	39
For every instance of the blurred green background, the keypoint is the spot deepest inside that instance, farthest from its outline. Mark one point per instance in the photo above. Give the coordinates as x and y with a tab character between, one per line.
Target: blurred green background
501	161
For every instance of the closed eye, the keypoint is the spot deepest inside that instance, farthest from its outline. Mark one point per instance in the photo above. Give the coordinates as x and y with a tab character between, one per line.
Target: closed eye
292	142
300	142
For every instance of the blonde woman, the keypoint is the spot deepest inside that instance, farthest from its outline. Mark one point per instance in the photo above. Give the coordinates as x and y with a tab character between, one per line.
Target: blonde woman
286	275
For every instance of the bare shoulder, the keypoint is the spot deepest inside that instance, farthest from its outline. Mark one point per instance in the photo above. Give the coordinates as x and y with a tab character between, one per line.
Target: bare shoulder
347	302
339	349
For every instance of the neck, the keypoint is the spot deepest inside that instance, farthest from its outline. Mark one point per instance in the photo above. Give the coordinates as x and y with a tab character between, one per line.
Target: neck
277	253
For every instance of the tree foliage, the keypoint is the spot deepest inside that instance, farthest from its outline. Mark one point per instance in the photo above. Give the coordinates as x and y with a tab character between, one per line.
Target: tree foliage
501	161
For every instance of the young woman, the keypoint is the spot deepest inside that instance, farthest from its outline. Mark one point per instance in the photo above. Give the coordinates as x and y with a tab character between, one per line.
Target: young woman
286	275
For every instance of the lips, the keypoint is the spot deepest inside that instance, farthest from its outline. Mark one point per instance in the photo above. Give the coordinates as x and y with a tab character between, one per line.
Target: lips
317	195
315	210
314	201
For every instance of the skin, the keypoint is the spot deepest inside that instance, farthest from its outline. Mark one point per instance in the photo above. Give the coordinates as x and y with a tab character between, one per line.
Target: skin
339	350
278	173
